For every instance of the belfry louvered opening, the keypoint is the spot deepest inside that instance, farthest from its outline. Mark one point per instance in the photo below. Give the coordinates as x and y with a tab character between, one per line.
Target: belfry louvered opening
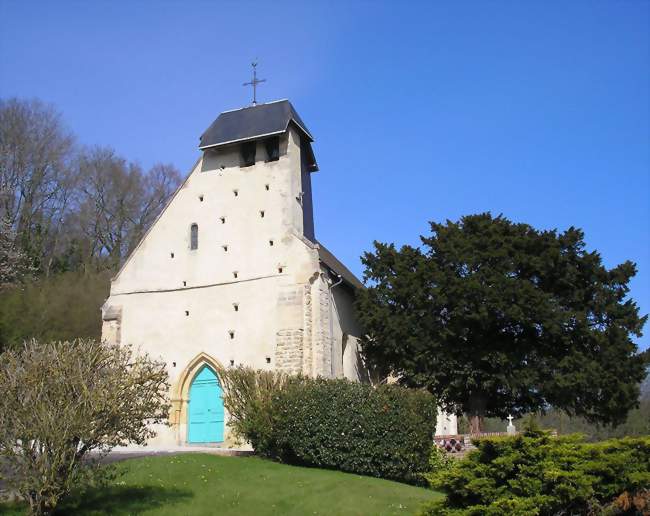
248	153
272	146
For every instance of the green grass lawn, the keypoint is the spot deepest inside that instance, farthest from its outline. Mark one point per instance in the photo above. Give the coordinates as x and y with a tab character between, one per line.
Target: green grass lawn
205	484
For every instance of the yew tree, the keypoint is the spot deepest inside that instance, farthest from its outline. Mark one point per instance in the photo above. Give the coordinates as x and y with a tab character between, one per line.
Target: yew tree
497	318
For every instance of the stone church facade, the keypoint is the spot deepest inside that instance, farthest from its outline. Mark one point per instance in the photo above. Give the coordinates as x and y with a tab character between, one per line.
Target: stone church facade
231	274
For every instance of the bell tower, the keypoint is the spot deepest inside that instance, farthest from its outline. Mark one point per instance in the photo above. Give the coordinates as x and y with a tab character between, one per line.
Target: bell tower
268	140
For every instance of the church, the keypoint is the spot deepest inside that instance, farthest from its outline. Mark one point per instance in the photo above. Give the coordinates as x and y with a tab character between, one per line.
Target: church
231	273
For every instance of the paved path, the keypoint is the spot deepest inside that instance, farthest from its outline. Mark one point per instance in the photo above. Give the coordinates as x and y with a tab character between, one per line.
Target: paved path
133	453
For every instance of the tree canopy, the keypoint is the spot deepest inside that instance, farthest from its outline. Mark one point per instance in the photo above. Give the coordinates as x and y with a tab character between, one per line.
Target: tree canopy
497	318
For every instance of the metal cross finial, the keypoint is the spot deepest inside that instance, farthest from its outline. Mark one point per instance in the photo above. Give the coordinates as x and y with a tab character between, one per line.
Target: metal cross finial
254	82
510	418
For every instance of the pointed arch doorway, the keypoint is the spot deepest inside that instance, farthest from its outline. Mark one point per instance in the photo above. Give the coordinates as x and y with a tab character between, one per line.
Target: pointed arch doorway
205	408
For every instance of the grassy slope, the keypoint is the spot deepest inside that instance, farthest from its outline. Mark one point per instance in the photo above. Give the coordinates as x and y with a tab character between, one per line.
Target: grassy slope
201	484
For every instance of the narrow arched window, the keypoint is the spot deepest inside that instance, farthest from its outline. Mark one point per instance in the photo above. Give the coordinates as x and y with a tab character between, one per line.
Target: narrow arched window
194	236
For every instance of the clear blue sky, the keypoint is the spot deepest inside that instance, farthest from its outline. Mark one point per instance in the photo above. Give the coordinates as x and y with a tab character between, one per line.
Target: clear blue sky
421	111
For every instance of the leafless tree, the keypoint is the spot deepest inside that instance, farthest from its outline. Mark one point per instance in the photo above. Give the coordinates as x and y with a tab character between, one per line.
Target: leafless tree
117	202
36	180
159	183
60	200
14	263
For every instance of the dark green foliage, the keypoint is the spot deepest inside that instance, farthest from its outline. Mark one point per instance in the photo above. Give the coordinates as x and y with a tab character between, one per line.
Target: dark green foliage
536	474
62	307
495	317
637	422
645	356
384	432
440	463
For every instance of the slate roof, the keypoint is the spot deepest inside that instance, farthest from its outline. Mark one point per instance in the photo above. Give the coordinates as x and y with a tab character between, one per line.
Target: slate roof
337	266
252	122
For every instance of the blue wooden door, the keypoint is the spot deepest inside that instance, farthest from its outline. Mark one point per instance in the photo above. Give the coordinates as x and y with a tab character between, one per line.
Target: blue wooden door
205	408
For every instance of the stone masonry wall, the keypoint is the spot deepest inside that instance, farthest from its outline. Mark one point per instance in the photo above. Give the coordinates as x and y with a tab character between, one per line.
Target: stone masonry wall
322	345
289	351
308	326
289	337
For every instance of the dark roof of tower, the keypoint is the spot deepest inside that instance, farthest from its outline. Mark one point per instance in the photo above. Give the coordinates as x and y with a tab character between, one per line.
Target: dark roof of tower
251	123
337	266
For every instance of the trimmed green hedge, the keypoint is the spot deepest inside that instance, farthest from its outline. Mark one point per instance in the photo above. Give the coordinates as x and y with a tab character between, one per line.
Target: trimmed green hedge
536	474
384	432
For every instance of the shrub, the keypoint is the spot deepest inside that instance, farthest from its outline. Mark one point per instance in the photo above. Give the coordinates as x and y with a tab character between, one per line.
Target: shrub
62	400
384	432
440	463
536	474
247	396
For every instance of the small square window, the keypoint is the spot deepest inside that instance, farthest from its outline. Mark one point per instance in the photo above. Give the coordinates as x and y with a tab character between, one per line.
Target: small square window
232	334
268	360
225	248
262	213
171	255
201	198
267	187
185	283
222	219
236	307
235	274
271	243
232	362
280	270
187	313
235	192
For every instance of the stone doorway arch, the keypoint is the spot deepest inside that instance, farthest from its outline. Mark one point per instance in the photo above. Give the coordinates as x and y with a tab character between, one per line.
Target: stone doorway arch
181	393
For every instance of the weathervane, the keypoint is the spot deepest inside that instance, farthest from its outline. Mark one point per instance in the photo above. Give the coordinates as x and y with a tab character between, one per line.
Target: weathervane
254	82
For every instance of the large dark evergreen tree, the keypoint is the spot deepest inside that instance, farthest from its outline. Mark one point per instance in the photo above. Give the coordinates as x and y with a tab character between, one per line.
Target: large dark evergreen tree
495	317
